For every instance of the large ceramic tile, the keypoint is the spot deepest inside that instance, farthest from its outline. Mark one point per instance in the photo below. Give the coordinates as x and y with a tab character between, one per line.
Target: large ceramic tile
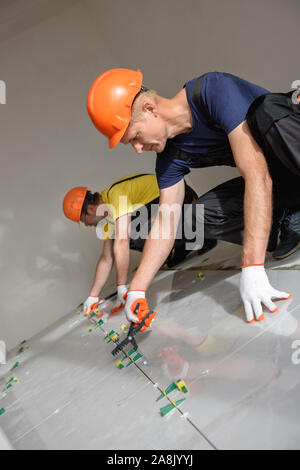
74	385
236	365
4	442
72	395
107	419
195	315
251	399
59	369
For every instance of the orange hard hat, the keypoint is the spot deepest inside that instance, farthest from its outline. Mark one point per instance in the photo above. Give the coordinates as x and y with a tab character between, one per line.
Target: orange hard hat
109	102
73	202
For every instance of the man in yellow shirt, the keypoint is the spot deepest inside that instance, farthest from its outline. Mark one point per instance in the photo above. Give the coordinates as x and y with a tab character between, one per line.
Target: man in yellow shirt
122	214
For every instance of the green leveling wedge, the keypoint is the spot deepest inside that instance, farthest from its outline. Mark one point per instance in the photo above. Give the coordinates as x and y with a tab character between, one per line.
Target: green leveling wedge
171	406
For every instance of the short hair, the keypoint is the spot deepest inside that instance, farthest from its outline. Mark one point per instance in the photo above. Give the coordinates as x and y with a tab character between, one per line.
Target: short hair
90	198
136	109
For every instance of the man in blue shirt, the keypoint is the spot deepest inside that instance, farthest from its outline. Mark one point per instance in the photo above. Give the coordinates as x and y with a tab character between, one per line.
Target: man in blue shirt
226	99
208	123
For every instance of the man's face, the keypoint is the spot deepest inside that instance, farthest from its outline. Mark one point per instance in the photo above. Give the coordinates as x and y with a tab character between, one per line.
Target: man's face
90	218
147	134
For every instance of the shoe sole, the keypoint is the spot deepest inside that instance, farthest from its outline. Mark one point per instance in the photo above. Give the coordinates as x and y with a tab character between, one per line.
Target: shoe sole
288	253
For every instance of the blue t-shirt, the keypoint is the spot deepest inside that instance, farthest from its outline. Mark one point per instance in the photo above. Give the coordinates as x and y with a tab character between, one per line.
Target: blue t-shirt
227	99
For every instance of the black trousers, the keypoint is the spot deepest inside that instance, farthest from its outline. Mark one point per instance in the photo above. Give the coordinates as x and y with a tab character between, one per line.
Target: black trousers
224	214
274	121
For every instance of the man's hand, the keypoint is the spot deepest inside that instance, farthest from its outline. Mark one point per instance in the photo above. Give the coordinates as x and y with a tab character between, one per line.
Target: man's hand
122	294
136	308
90	305
255	289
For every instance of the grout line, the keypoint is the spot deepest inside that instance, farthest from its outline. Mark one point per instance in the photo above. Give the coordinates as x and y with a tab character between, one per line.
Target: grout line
42	422
161	391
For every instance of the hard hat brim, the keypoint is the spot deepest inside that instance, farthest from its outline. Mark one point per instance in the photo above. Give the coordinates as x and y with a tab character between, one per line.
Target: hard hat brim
115	139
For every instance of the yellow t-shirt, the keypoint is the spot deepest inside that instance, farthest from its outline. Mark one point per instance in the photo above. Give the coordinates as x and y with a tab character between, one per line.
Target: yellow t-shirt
127	195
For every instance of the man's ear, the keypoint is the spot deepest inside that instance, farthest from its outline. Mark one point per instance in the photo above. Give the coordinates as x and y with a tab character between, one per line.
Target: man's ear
149	106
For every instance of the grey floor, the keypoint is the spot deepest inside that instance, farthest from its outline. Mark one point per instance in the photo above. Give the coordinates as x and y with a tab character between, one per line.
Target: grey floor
243	379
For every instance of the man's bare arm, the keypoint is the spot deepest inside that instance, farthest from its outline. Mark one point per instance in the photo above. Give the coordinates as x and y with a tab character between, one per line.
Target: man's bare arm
156	247
252	165
122	249
103	268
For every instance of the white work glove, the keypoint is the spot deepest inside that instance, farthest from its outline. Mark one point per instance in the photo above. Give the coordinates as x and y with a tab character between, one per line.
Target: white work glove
255	289
122	292
136	315
90	305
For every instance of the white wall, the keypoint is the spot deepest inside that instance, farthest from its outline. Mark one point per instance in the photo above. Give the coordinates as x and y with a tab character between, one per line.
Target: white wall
50	53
